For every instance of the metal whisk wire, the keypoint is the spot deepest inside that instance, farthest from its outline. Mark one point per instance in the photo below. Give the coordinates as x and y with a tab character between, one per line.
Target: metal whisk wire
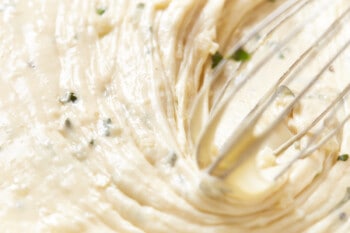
281	14
216	112
243	142
278	18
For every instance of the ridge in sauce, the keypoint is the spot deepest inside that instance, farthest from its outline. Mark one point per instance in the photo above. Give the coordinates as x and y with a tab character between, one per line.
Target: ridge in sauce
95	120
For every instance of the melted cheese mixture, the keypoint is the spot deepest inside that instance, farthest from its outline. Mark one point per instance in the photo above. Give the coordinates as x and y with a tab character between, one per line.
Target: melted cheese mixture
103	105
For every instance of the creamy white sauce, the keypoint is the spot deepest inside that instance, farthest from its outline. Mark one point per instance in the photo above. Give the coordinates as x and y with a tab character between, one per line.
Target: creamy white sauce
96	131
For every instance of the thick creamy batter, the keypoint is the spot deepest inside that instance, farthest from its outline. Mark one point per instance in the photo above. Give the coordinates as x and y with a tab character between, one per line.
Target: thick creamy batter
99	129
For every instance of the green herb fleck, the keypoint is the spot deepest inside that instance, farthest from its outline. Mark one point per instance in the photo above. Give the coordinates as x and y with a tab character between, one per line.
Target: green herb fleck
92	142
69	97
140	5
173	159
72	97
68	123
343	157
216	59
281	56
100	11
240	55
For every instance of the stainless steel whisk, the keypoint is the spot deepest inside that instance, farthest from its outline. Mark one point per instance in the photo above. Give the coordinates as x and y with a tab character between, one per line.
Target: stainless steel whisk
243	142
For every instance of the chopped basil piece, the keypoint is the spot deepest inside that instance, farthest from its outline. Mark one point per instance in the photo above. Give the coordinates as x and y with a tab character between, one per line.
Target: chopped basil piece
343	157
69	97
240	55
72	97
92	142
216	59
108	121
100	11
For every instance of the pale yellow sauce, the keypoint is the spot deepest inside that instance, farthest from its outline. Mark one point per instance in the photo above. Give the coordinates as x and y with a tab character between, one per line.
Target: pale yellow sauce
118	155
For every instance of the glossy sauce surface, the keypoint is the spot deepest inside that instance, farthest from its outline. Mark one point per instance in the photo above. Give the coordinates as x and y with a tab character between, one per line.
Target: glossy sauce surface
95	110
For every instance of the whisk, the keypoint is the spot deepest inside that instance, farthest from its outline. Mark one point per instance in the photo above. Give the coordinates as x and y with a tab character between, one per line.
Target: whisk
244	142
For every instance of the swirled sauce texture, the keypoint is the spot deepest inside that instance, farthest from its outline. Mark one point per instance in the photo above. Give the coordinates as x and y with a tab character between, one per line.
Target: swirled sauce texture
95	109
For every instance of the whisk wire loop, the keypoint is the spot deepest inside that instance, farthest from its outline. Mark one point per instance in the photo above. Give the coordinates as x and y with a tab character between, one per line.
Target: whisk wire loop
244	142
